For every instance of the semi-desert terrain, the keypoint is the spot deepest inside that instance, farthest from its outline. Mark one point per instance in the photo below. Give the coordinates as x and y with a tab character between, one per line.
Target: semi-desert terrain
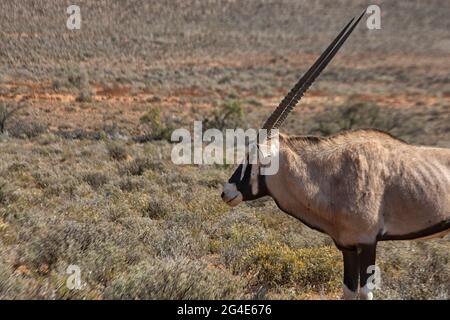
86	177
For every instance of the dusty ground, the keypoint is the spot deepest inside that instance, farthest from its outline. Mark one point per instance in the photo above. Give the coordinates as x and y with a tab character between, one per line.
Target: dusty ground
77	186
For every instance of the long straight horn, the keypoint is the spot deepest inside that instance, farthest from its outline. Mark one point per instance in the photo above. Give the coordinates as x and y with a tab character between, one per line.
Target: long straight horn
293	97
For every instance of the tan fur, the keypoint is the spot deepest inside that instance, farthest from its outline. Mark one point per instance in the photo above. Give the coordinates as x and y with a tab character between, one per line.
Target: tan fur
358	184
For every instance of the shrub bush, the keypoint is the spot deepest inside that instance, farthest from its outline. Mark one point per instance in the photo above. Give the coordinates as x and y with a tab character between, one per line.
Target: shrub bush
95	179
354	115
85	95
157	208
7	194
228	116
117	151
138	166
7	111
81	81
415	272
178	279
277	264
11	284
154	126
30	129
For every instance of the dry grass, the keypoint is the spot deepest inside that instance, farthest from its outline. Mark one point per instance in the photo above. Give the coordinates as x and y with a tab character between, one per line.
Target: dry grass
69	202
85	170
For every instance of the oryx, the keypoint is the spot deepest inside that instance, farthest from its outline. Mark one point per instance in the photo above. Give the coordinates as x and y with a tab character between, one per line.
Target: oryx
359	187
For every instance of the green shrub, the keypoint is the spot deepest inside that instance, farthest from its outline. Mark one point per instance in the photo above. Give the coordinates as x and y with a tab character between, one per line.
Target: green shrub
228	116
277	264
154	126
239	239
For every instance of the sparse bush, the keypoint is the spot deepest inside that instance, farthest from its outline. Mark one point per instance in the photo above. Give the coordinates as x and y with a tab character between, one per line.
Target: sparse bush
6	193
228	116
81	81
239	239
57	84
112	131
12	286
254	102
117	151
421	273
177	240
48	139
277	264
157	208
53	184
85	95
95	179
27	129
178	279
154	126
138	166
354	115
7	111
130	184
154	99
96	247
81	134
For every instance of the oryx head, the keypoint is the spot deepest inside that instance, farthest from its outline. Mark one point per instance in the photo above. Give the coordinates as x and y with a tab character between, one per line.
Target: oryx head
247	182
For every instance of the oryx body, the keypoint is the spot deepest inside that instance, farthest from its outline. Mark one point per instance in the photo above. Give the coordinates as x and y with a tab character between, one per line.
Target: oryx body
362	186
359	187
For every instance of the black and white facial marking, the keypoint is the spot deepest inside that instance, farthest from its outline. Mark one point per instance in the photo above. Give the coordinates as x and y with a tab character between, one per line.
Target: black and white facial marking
245	184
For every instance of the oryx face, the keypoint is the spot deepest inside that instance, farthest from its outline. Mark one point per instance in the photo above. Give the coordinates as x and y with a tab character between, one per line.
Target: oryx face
245	184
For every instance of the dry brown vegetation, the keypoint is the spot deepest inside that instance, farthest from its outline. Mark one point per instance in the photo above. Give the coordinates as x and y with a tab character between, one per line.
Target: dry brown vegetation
85	170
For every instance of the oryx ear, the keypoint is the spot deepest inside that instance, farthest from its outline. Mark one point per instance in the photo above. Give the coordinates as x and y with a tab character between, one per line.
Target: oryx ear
264	151
268	144
268	148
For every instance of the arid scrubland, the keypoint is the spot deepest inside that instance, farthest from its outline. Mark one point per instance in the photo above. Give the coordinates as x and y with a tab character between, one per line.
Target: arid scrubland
85	172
